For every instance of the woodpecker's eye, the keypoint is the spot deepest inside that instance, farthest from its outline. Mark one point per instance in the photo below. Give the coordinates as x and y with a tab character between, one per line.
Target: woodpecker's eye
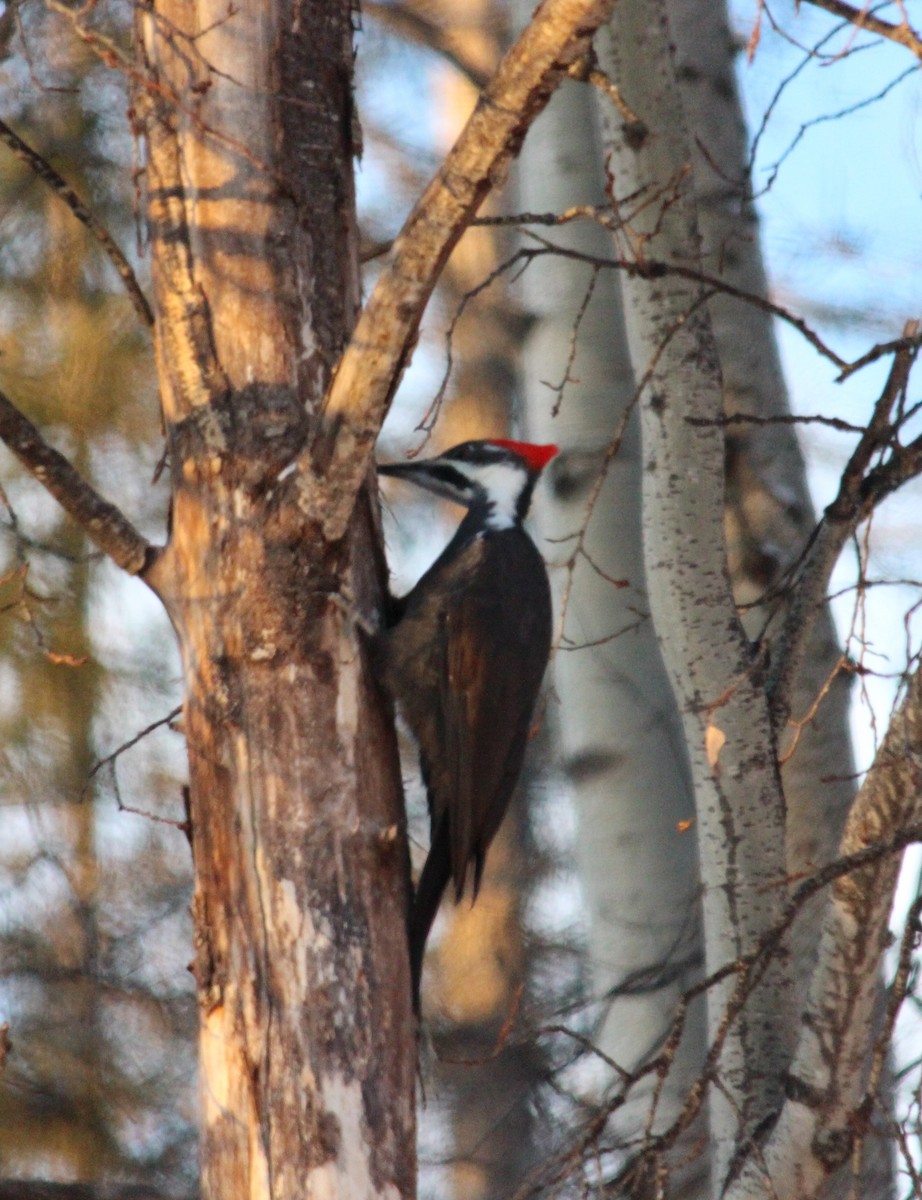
451	478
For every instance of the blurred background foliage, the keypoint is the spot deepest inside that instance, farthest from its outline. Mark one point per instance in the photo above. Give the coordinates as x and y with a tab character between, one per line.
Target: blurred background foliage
94	924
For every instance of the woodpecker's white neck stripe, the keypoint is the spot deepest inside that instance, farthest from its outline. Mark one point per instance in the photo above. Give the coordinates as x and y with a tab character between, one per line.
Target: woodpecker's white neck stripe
502	483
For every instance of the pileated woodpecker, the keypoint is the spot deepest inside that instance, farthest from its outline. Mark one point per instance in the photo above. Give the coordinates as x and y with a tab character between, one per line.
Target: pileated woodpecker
464	657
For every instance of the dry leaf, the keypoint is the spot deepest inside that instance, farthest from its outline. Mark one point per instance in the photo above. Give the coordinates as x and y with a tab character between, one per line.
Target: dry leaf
714	740
684	826
66	660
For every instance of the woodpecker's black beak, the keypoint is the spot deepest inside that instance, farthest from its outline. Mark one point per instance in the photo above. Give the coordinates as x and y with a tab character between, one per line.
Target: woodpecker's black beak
397	469
436	475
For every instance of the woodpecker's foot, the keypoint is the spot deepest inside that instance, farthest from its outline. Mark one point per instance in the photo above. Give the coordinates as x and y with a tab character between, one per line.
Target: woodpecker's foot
426	1058
345	601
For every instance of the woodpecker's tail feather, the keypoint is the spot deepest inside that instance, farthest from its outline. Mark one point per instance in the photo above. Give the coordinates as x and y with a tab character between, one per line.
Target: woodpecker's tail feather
426	901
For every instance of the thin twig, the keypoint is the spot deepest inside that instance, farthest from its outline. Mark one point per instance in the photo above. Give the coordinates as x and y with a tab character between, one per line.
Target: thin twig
903	34
747	971
654	269
587	70
133	741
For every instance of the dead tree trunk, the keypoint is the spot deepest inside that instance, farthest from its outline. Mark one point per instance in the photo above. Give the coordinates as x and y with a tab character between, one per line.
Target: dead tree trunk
307	1048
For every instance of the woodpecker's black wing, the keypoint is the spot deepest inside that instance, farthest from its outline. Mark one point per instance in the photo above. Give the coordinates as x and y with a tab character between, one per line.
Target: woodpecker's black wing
497	635
465	661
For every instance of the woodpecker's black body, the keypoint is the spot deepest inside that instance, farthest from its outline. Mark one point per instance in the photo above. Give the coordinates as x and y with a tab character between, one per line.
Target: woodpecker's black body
465	659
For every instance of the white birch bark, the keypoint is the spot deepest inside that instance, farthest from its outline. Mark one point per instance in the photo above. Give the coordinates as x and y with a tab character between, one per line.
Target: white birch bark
620	743
740	818
829	1098
769	515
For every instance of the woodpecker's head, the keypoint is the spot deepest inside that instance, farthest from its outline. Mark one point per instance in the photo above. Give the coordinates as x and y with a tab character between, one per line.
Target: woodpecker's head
496	478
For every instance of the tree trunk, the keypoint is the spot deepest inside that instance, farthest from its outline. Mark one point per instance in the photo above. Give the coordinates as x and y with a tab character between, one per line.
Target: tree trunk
620	741
769	512
306	1041
831	1092
739	810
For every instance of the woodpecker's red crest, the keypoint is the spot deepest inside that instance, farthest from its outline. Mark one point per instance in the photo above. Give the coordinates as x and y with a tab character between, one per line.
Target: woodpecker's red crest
537	457
464	658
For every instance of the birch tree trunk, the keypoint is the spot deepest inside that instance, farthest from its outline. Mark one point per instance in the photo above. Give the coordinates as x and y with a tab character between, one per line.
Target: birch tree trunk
831	1087
306	1041
620	742
717	681
769	513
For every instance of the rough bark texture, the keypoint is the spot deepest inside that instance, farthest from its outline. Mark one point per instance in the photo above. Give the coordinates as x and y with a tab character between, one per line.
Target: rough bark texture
307	1045
740	819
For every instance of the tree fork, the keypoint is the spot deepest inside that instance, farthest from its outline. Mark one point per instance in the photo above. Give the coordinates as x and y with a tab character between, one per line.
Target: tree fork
307	1046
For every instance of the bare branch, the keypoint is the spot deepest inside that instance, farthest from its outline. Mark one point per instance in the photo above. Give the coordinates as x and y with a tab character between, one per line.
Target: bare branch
729	419
101	521
860	490
654	269
909	341
876	855
109	764
589	71
381	346
133	741
46	172
903	34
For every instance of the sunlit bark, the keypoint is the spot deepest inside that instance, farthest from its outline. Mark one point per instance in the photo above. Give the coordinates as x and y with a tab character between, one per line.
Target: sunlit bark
307	1047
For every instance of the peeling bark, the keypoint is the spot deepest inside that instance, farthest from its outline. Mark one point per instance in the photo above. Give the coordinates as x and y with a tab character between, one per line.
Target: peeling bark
307	1044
